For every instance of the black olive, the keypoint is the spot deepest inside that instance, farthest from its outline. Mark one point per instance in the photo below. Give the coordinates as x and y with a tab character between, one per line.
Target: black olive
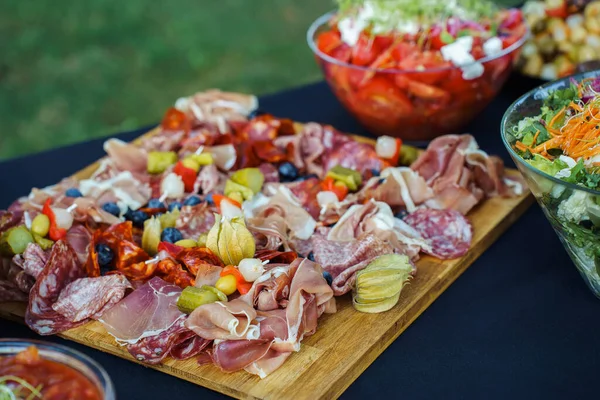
401	214
306	177
311	256
328	277
287	172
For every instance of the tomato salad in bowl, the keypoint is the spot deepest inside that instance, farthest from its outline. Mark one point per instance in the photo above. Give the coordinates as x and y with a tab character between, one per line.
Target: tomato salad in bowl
416	69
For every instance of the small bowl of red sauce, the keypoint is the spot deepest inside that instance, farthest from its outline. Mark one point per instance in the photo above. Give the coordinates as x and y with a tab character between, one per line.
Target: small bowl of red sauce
31	369
417	69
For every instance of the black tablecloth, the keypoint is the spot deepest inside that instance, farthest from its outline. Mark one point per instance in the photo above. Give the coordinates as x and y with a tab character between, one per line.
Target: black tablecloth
520	323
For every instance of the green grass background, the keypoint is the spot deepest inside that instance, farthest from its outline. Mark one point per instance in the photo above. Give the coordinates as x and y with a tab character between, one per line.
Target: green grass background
73	70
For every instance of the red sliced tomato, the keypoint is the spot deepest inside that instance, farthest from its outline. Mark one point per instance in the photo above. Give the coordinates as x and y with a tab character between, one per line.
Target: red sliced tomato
364	51
403	50
328	41
426	60
381	99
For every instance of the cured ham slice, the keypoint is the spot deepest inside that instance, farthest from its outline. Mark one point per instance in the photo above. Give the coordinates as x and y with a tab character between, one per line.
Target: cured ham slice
231	320
270	290
282	204
79	239
126	156
62	268
376	218
310	296
217	107
147	311
344	259
188	345
281	330
209	179
461	174
402	187
91	297
127	189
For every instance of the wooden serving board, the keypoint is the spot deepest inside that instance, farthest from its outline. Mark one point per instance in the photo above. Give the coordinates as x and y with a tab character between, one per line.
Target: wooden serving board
346	342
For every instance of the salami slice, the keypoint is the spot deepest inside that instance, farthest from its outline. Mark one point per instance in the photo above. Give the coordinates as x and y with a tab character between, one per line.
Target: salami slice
188	345
153	349
448	232
62	268
91	297
10	292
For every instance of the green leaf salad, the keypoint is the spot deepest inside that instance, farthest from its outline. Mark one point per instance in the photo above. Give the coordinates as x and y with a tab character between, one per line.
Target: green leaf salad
563	141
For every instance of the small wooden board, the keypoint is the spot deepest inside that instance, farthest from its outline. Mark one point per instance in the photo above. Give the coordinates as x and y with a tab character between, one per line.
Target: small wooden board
346	342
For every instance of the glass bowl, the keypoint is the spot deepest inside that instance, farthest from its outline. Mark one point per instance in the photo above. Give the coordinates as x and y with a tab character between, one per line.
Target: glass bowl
440	101
64	355
562	202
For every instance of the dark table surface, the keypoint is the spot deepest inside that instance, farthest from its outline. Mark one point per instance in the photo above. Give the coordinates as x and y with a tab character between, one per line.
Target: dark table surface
520	323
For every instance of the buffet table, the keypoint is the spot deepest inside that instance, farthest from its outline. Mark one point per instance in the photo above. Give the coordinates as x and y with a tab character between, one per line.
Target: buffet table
520	323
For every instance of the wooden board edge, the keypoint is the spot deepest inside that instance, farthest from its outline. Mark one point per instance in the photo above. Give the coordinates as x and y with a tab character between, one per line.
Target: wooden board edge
371	354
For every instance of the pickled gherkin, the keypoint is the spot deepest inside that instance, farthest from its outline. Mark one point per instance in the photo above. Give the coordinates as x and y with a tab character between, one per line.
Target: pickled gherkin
193	297
349	177
43	242
159	161
15	240
251	178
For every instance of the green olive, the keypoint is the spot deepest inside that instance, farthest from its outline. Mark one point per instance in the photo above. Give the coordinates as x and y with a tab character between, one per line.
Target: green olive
40	225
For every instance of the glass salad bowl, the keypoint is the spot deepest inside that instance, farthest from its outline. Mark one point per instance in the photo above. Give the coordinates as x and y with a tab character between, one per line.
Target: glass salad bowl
572	210
413	104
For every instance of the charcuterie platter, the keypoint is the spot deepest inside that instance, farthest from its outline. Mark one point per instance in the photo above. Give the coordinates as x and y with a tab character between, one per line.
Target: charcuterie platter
431	237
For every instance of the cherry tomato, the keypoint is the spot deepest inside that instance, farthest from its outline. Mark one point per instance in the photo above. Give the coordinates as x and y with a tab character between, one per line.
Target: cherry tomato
557	9
175	120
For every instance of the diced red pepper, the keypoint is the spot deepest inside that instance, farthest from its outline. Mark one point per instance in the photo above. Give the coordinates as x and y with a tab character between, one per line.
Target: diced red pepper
242	286
339	188
188	176
55	233
218	198
175	120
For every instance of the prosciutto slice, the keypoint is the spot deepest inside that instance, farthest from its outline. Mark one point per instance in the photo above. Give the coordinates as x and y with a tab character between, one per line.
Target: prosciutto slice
281	329
230	320
461	174
126	156
344	259
376	218
402	187
148	311
282	204
91	297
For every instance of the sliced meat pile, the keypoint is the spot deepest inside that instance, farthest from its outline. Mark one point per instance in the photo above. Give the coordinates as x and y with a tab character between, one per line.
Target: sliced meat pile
289	300
461	174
